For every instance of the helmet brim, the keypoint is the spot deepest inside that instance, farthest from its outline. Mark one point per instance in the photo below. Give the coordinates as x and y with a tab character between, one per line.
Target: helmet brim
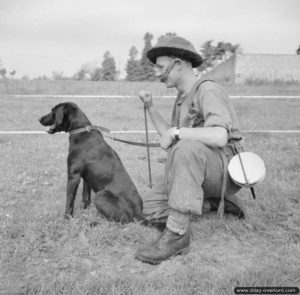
194	58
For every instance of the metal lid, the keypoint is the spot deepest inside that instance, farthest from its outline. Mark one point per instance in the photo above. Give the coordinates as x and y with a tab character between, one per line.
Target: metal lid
247	169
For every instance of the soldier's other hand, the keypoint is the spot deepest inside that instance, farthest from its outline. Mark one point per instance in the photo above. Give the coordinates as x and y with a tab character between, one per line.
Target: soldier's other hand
146	98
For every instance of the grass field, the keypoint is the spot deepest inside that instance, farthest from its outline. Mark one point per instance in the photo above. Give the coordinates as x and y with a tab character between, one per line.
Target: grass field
130	88
41	253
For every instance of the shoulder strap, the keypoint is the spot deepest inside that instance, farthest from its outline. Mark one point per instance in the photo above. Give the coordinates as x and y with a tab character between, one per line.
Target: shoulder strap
198	83
195	88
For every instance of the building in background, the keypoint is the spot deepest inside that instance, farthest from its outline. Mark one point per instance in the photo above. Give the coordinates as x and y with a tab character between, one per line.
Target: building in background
256	68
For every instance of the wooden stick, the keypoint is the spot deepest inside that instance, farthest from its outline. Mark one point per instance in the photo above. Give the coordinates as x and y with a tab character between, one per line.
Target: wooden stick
148	149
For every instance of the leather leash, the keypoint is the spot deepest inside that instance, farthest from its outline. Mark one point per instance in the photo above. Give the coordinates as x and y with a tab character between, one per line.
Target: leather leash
90	128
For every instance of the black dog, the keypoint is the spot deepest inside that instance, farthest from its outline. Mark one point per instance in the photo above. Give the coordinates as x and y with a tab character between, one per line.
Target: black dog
92	159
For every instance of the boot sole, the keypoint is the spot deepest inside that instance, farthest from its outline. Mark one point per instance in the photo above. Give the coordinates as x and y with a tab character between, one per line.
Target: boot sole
183	251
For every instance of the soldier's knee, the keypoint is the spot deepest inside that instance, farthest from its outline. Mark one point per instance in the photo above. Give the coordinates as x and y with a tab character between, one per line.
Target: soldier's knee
188	148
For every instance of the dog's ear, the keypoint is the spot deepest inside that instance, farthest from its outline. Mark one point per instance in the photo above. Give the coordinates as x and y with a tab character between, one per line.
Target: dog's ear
59	115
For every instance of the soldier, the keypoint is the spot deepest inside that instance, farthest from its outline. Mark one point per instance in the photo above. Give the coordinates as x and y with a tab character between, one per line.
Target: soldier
198	142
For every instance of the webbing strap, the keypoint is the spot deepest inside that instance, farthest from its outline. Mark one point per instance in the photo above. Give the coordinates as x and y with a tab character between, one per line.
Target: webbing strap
221	208
237	149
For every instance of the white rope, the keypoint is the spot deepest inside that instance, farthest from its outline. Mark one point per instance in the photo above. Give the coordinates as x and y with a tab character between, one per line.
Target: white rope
271	131
156	96
150	131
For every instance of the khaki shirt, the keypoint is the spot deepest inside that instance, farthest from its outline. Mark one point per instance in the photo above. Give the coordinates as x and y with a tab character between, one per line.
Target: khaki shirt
206	105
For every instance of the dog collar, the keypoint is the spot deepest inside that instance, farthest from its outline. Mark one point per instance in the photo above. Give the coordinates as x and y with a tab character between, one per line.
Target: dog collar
88	128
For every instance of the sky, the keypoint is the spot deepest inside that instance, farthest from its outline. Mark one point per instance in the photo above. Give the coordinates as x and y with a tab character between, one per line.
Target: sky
38	37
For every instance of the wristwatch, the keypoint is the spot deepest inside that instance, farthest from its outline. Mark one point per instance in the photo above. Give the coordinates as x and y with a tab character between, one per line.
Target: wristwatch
176	133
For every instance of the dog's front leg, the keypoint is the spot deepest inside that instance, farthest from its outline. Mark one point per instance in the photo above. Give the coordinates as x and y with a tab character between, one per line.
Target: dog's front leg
86	195
73	182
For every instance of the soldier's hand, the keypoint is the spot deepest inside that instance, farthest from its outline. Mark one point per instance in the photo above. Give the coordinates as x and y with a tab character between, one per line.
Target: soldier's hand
146	98
167	138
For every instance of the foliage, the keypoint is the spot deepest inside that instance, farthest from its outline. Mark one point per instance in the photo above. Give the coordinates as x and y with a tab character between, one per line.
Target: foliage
95	71
96	75
147	70
12	73
140	70
25	78
133	68
57	75
80	75
3	72
108	70
91	71
211	53
169	34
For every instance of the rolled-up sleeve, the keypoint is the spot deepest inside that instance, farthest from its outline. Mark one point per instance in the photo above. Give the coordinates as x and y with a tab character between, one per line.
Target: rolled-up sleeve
215	109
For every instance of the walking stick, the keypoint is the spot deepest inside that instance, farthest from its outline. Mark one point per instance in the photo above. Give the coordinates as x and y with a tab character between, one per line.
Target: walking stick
148	149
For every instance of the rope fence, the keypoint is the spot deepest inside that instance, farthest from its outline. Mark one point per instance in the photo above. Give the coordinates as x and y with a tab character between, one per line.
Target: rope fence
143	132
155	96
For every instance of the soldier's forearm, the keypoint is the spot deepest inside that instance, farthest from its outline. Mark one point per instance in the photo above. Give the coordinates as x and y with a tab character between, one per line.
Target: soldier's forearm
211	136
159	122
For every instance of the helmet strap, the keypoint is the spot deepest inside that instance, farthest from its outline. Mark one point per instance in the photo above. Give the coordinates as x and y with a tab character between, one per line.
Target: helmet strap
164	76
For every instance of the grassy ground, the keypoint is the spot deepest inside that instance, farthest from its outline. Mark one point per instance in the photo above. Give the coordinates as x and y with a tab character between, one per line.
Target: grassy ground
41	253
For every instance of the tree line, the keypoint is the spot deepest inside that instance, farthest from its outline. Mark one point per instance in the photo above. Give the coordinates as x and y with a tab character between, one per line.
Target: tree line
136	69
3	71
141	69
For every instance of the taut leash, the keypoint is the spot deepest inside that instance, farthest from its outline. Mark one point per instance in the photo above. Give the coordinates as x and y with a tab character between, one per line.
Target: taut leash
90	128
149	144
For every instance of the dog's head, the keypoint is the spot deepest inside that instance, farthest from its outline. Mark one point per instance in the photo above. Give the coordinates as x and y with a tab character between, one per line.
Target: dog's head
61	117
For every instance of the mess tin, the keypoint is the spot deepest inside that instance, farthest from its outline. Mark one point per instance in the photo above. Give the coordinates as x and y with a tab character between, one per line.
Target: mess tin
247	169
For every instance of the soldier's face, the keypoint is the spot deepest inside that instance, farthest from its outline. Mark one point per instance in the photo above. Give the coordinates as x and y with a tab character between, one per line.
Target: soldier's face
164	69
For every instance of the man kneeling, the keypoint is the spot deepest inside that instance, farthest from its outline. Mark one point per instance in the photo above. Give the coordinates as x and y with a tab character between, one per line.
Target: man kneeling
198	142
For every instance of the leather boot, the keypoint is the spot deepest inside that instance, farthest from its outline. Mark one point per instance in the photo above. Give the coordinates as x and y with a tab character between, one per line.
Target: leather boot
233	206
168	244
